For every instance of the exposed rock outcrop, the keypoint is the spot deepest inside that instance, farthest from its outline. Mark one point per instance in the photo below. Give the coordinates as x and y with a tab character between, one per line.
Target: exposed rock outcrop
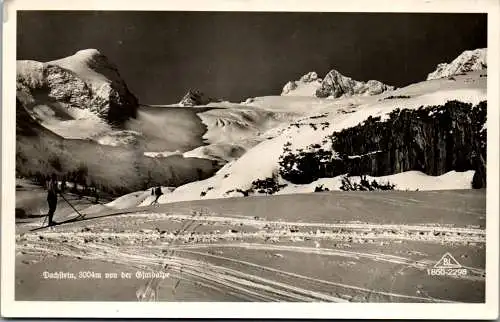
469	60
86	80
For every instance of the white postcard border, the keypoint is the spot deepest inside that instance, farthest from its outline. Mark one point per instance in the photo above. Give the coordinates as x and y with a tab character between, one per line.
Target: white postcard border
12	308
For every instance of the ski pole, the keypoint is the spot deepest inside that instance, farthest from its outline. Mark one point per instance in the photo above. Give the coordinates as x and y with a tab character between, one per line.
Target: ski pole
71	205
43	224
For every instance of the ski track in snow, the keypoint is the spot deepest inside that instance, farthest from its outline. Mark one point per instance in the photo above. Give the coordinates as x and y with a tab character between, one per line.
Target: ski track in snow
223	276
152	249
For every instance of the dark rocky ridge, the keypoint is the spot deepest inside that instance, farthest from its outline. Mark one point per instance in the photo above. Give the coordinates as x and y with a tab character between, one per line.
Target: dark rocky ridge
434	140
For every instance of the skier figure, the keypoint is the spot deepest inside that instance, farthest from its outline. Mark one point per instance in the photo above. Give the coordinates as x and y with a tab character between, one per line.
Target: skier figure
96	195
157	193
52	197
63	184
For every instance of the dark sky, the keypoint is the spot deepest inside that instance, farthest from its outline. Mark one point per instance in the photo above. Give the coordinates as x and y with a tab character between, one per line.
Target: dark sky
235	55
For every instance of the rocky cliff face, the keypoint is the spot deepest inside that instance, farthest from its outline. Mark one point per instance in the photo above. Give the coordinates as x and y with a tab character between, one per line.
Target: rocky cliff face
86	81
333	85
469	60
434	140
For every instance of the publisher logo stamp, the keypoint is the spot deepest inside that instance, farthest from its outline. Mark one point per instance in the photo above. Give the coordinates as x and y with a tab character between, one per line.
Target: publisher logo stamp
447	266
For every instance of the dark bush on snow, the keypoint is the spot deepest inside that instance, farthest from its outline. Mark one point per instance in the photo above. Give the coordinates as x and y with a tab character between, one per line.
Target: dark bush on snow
245	193
396	96
268	185
302	167
321	188
365	185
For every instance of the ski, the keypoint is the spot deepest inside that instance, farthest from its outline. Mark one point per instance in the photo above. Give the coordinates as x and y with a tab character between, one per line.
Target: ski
75	219
94	216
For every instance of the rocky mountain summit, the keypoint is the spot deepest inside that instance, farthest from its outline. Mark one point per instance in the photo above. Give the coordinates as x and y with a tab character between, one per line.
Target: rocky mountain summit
334	85
468	61
86	80
196	97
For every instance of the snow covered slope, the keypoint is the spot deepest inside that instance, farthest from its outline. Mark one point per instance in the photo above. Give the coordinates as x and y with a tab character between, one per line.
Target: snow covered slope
469	60
333	85
229	129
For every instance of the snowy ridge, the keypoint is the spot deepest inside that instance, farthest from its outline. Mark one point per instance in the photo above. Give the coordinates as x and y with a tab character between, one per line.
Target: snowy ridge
469	60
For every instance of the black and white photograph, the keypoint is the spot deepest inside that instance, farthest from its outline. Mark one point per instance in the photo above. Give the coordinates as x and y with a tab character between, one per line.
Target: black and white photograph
250	156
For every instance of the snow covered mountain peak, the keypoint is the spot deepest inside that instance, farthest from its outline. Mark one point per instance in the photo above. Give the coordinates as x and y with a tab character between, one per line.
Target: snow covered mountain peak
309	77
469	60
333	85
92	66
305	86
86	80
193	98
336	85
88	52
